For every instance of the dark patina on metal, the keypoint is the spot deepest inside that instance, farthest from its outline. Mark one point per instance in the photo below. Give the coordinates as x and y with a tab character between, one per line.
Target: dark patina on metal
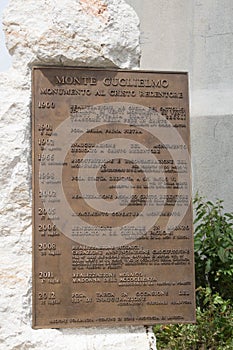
112	212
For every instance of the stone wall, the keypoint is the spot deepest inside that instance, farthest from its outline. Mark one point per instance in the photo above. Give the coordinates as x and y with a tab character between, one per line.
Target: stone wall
64	32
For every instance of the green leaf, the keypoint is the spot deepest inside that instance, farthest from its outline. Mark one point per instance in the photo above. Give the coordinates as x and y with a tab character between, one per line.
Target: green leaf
198	218
222	254
229	215
208	266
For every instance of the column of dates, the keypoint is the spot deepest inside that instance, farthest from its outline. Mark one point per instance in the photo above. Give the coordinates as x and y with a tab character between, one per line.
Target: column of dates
46	235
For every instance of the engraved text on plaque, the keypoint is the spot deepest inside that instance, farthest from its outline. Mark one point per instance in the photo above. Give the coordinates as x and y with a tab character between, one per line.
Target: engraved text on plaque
112	214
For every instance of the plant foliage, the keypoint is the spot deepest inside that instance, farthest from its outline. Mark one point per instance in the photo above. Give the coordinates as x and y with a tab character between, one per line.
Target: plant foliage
213	248
212	331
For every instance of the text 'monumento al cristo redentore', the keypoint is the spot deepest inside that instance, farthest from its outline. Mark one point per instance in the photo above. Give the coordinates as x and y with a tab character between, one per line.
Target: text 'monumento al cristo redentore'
112	213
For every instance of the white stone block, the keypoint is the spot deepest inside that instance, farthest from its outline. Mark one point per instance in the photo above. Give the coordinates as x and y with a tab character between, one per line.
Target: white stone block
69	32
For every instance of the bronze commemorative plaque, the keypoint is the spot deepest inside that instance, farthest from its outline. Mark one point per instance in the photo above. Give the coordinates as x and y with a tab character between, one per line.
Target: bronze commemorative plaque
112	213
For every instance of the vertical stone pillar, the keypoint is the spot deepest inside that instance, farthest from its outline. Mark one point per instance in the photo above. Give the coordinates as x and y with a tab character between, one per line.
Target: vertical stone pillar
52	32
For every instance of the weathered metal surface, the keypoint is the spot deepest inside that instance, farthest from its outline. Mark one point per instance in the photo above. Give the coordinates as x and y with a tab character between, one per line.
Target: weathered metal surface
112	214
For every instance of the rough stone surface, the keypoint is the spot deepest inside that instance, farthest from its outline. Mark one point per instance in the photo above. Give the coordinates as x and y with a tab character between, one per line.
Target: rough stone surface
68	32
64	32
